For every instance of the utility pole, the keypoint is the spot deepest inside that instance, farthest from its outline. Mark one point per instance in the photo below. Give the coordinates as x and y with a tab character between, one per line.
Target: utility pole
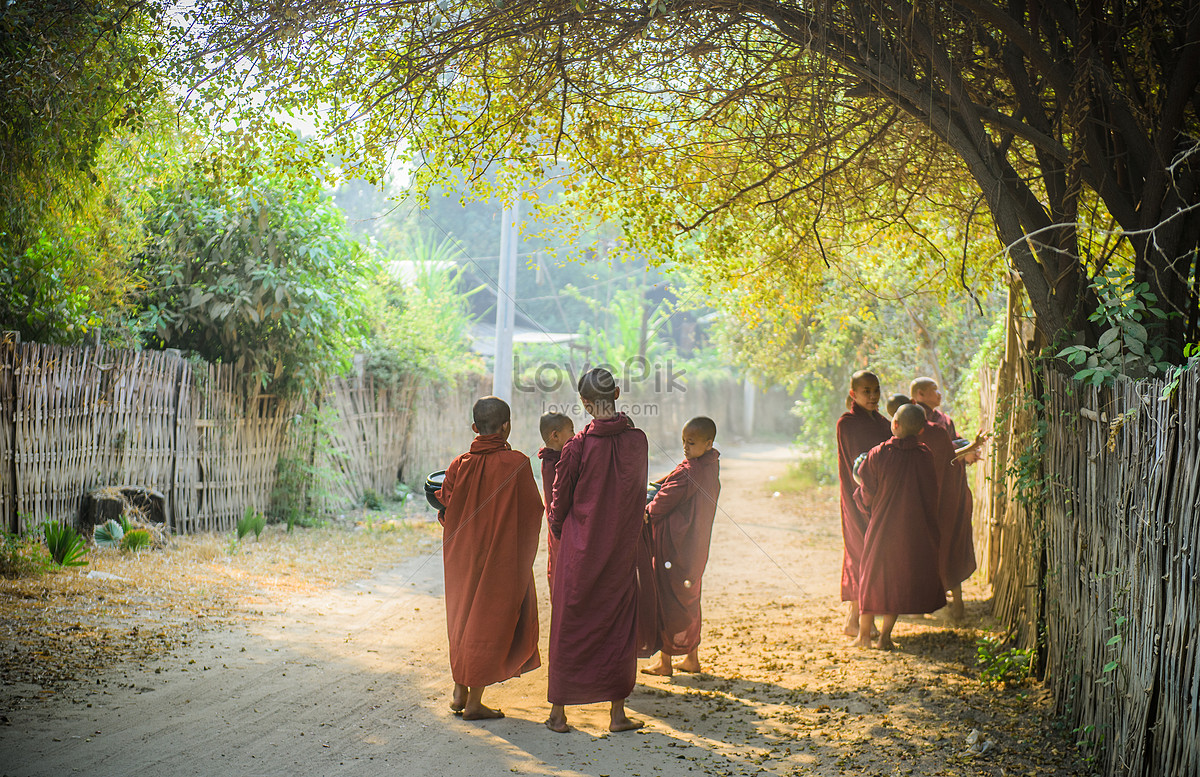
506	292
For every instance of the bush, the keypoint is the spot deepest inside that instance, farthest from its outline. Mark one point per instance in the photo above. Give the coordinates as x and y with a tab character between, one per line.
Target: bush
135	539
999	665
65	545
371	500
252	521
110	533
23	556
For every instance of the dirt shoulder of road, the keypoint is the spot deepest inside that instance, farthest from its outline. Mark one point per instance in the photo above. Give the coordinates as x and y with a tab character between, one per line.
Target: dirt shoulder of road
310	652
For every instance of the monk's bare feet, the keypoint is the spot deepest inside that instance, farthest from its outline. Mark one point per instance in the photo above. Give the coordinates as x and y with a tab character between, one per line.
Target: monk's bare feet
861	642
625	723
885	643
658	670
557	724
691	667
458	702
851	629
481	713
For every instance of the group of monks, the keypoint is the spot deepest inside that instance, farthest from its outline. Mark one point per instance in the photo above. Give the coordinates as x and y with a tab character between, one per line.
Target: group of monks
906	507
625	577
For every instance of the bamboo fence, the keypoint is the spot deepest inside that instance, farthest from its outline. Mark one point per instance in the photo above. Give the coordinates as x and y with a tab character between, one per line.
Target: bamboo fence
1097	569
75	419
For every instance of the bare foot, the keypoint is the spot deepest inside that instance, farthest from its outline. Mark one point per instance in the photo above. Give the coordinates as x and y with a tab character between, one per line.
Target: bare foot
557	726
885	643
458	702
861	642
851	629
658	670
481	713
624	724
692	667
958	613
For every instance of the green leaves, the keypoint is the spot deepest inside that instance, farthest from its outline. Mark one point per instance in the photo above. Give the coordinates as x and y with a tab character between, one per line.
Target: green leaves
66	546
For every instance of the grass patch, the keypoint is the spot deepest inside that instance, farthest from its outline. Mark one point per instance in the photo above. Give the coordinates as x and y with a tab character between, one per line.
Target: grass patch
802	475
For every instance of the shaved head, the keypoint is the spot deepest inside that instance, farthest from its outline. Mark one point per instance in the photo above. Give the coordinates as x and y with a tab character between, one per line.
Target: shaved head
910	419
921	385
862	377
597	385
490	414
895	401
704	428
551	422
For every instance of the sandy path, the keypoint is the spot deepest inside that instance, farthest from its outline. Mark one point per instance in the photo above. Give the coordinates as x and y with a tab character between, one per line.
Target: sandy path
355	681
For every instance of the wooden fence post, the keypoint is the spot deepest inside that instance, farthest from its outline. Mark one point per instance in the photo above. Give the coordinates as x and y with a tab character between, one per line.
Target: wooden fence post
8	427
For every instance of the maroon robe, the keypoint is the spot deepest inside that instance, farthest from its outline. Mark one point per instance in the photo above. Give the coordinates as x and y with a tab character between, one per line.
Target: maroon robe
681	519
941	419
549	459
899	496
596	514
956	558
492	522
858	431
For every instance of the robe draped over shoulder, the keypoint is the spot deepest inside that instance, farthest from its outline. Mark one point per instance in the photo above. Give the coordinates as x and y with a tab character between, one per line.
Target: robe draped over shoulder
681	522
549	458
858	431
956	551
596	514
900	549
491	526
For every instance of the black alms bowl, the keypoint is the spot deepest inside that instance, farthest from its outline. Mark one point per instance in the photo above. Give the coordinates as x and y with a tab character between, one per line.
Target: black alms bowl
432	484
652	491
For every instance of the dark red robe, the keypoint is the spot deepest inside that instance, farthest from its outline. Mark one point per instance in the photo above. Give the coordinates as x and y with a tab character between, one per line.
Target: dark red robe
900	549
492	522
681	521
596	514
549	459
956	558
858	431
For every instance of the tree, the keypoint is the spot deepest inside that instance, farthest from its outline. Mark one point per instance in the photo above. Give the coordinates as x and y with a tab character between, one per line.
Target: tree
1075	124
257	274
77	84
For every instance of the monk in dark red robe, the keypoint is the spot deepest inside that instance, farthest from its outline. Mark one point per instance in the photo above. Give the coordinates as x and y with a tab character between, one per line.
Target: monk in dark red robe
681	520
859	430
492	520
596	514
957	553
899	497
555	429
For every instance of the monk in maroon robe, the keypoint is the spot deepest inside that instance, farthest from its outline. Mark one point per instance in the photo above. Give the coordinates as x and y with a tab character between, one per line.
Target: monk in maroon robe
957	555
899	497
555	429
681	520
859	430
492	520
596	515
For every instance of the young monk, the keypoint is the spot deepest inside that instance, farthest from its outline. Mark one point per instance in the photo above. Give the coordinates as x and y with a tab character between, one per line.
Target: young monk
596	517
556	429
859	430
954	508
492	520
899	497
681	520
957	555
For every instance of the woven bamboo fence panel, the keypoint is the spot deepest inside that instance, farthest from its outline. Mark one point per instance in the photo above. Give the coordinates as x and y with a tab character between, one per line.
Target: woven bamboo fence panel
84	418
371	432
1102	575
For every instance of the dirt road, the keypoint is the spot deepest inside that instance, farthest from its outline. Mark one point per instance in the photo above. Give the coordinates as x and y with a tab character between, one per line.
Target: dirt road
355	681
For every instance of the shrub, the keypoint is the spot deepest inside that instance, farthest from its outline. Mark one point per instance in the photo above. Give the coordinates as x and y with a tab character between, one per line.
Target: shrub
109	534
252	521
135	539
66	546
23	556
371	500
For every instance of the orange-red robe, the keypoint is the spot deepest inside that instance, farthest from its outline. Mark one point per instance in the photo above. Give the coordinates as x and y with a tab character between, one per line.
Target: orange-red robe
549	459
956	557
492	522
858	431
899	496
681	520
597	516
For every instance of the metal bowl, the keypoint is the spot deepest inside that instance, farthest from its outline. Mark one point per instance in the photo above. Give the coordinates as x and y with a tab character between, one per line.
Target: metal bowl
652	490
